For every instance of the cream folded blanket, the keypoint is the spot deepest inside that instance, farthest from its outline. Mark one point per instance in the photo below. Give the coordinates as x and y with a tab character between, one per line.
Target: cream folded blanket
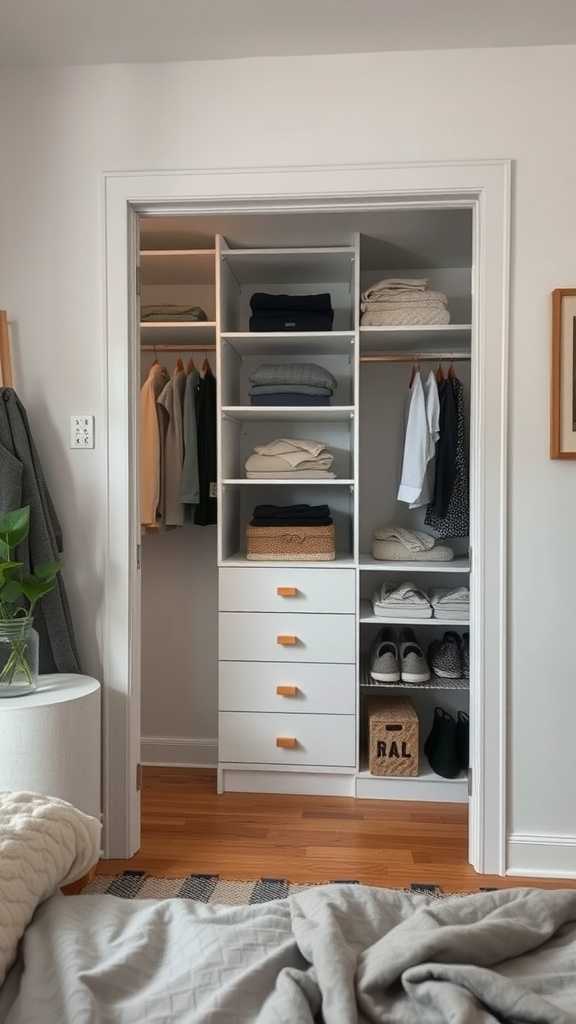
405	316
395	284
447	597
284	445
393	551
406	599
293	474
405	299
269	463
412	540
44	843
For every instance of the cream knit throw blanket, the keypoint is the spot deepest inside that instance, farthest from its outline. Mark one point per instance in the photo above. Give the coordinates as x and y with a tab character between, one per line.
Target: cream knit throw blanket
44	843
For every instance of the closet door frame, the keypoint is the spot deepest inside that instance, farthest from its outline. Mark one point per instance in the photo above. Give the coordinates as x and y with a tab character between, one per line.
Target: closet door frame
484	186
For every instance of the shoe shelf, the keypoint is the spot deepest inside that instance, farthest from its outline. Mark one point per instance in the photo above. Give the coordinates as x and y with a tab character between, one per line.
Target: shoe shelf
425	786
457	565
367	615
435	683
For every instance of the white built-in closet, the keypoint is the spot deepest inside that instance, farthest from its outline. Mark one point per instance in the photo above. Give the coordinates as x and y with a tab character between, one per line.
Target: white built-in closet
206	678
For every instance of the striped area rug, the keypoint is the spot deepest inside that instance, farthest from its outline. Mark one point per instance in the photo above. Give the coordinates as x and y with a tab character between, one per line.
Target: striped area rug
212	889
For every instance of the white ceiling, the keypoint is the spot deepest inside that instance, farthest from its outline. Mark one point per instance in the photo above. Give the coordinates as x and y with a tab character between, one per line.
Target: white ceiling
40	32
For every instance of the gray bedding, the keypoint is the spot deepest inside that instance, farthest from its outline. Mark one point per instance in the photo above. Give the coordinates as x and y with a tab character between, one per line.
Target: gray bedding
340	954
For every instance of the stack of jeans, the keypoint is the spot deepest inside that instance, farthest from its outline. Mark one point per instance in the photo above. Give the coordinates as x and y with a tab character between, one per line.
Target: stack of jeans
291	384
291	312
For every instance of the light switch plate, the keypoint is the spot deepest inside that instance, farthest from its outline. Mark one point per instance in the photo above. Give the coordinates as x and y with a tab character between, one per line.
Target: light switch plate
81	431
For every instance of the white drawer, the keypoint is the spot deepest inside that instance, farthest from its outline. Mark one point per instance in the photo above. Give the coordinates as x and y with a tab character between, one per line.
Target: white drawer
287	590
248	738
268	637
315	689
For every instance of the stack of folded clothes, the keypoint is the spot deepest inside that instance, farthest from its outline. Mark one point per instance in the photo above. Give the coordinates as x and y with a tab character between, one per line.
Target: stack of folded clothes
405	601
166	311
399	301
290	458
291	384
397	544
291	312
451	603
291	533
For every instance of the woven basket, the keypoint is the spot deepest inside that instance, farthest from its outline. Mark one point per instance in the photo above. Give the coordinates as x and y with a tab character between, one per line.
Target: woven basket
291	543
394	733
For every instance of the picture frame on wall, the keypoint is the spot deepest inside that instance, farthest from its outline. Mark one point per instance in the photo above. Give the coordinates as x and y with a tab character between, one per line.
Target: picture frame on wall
563	390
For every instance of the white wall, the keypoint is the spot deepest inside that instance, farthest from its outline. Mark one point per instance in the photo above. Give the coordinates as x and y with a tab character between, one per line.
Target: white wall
61	129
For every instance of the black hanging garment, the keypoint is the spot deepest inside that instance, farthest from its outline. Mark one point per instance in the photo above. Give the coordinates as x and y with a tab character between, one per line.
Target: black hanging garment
22	483
448	514
206	509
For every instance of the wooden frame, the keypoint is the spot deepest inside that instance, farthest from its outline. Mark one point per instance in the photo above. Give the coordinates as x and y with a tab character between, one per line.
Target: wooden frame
484	186
6	376
563	387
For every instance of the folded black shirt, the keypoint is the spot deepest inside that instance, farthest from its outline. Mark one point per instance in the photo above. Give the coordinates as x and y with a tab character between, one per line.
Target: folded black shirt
321	303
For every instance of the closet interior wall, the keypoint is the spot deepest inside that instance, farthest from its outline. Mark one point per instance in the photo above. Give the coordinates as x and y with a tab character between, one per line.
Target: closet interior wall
342	253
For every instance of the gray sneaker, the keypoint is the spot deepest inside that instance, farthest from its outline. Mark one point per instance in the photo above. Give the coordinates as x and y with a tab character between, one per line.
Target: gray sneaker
446	657
414	667
384	665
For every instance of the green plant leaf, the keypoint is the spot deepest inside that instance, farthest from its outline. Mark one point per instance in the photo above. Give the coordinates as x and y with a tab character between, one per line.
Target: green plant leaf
34	589
6	568
47	571
14	526
4	551
11	592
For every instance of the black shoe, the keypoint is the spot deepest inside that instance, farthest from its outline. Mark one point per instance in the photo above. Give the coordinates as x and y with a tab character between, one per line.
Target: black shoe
440	747
463	740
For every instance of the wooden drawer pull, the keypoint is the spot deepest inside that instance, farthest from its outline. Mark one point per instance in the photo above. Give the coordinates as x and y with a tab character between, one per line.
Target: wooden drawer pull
285	640
286	742
287	691
287	591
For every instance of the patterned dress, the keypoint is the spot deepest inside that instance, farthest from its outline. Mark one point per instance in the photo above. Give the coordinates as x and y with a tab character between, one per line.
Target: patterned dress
453	520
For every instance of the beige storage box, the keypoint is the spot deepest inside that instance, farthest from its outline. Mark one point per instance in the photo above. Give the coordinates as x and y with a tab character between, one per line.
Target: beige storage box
291	543
394	737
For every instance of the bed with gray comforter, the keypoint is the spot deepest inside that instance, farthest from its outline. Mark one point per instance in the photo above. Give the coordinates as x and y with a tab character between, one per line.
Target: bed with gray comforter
339	954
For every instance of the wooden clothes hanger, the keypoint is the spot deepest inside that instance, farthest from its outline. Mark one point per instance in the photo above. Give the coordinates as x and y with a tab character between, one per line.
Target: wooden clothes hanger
6	375
191	365
439	374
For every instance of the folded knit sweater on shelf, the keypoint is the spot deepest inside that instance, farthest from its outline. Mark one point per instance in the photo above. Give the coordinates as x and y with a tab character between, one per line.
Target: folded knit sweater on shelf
293	373
404	601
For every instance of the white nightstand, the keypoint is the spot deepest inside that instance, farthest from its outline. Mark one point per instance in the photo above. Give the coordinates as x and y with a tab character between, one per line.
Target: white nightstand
50	741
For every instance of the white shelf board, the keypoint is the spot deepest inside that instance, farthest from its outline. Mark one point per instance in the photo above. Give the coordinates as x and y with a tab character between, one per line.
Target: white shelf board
457	565
178	266
291	483
433	684
425	786
291	265
290	343
197	331
431	337
367	615
282	413
239	560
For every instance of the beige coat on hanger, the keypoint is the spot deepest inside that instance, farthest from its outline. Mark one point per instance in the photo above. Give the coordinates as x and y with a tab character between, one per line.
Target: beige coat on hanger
151	446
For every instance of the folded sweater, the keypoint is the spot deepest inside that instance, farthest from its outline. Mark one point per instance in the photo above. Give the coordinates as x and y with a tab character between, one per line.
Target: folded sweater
404	600
407	298
265	301
405	315
395	284
271	463
293	474
293	373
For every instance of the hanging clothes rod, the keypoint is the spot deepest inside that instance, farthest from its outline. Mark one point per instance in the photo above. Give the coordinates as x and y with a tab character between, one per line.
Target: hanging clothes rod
416	357
178	348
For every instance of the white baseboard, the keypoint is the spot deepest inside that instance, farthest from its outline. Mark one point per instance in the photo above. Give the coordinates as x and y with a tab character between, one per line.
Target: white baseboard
179	751
541	855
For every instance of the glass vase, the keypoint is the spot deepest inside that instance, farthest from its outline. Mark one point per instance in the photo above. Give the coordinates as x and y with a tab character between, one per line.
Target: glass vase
18	657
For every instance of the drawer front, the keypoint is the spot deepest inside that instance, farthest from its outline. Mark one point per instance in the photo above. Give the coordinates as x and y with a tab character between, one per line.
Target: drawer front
291	638
288	689
287	590
319	740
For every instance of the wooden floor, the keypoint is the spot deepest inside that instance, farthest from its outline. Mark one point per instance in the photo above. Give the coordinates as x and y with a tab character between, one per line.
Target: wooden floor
188	829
